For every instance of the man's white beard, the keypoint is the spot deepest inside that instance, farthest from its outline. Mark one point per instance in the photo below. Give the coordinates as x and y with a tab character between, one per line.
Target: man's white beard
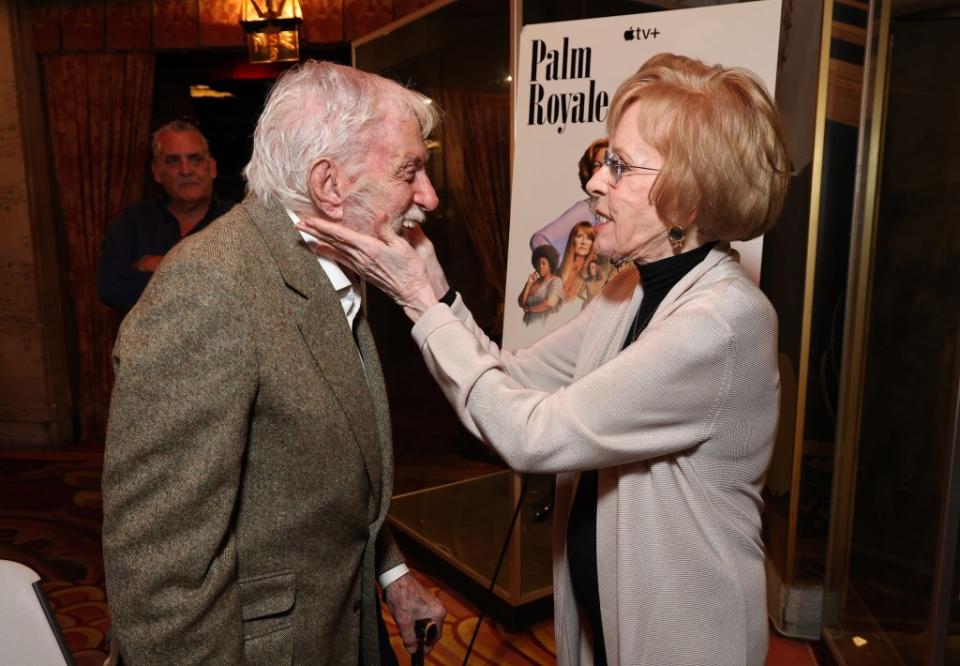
364	207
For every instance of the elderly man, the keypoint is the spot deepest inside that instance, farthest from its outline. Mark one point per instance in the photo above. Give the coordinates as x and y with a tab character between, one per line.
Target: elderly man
146	231
248	462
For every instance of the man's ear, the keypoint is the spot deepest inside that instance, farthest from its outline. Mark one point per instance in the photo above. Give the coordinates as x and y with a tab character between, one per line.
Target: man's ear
213	167
325	182
155	170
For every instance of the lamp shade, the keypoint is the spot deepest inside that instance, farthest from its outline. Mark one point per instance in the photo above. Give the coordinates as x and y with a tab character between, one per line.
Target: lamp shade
272	30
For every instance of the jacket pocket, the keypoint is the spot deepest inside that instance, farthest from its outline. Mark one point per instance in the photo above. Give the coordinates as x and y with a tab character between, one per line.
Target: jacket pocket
266	606
267	595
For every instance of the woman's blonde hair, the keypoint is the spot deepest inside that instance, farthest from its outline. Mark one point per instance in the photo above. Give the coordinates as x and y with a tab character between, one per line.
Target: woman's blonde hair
725	164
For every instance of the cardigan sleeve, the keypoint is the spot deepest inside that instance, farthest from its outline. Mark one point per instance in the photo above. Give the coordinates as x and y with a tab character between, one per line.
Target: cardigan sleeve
546	365
660	395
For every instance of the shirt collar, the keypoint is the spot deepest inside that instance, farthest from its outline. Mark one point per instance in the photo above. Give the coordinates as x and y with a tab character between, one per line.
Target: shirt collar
334	272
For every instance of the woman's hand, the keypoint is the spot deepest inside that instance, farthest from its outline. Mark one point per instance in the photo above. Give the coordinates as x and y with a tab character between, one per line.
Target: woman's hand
388	261
424	249
534	276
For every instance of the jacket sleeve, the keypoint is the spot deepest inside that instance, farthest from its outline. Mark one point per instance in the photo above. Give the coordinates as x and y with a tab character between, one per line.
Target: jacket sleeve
388	552
661	395
119	285
185	381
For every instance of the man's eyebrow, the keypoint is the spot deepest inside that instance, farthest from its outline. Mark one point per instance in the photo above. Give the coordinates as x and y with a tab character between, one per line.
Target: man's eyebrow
415	161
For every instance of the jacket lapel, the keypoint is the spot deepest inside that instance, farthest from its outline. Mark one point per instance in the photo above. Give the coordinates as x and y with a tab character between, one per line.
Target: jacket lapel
378	390
324	329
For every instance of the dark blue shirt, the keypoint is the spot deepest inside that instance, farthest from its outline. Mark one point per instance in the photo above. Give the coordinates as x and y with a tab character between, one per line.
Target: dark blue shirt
142	229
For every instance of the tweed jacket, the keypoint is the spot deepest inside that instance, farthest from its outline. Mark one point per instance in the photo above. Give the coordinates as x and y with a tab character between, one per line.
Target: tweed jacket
680	425
248	460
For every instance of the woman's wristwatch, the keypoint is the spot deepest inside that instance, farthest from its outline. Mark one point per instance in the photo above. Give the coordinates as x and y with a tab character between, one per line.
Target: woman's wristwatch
449	297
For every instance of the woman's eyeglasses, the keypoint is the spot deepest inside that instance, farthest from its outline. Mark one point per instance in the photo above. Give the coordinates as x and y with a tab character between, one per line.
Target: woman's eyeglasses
618	167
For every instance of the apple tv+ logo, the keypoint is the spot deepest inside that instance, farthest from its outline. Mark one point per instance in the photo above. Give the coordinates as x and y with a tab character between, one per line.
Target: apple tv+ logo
631	34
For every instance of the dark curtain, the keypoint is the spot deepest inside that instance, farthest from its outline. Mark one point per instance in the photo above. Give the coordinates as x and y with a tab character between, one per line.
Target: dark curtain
99	107
476	148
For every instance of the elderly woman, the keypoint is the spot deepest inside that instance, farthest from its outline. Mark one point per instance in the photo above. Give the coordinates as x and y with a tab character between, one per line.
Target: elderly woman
542	293
657	404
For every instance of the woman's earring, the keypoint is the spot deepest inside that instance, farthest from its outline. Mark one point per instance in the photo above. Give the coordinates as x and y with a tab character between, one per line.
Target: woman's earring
677	235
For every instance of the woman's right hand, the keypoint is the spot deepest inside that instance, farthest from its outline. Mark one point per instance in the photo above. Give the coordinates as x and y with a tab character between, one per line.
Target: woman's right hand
534	276
387	260
424	249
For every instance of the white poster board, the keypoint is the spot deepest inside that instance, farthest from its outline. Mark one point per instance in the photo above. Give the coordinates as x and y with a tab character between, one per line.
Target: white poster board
567	75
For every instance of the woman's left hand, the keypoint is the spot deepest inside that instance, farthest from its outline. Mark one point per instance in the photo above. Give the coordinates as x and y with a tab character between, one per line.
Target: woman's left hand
386	260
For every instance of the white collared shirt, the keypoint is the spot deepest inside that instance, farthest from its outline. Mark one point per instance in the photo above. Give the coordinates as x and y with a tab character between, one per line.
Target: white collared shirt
346	289
350	301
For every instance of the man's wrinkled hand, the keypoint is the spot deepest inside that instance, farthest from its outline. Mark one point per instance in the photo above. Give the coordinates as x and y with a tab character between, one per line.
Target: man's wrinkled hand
409	601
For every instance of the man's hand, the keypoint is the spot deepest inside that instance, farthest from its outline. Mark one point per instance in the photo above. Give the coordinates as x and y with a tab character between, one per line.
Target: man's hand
409	601
148	263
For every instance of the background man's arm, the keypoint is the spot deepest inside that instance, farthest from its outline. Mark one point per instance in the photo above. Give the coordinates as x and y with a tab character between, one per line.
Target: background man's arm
119	281
186	376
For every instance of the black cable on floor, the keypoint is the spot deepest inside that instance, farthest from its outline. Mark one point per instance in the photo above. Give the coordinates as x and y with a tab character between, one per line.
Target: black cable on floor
496	571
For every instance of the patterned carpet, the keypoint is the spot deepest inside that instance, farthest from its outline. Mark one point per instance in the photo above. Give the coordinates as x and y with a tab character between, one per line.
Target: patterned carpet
50	521
50	514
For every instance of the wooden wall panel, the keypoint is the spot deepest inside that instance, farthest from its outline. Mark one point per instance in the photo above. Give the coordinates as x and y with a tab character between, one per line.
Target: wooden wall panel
175	24
34	389
405	7
322	21
18	284
21	355
220	23
364	16
129	25
26	435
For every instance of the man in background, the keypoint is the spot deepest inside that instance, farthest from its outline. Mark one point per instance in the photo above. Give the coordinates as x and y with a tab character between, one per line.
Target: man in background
145	232
249	465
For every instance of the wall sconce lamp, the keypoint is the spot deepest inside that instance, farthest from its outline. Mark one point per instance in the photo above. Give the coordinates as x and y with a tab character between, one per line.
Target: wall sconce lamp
271	27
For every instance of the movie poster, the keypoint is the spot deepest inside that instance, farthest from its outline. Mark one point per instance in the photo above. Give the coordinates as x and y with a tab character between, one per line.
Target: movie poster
566	76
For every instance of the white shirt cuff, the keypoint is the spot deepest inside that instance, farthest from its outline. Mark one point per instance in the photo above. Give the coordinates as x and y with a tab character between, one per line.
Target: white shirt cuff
391	575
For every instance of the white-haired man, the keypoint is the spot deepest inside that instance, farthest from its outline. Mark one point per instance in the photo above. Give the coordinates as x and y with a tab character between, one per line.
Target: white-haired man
248	462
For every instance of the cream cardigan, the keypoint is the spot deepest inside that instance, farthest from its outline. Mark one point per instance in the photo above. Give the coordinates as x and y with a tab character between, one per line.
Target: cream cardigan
681	426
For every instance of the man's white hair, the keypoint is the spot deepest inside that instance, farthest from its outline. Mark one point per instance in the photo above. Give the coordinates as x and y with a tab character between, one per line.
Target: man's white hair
322	109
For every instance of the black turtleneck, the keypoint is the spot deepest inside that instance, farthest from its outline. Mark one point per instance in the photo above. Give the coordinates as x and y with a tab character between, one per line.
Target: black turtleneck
657	279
